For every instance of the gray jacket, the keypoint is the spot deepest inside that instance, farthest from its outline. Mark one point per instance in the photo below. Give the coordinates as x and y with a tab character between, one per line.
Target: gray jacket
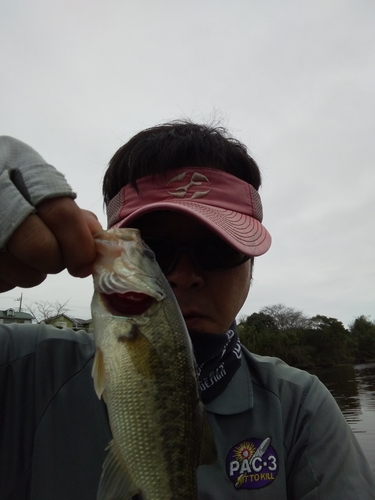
279	433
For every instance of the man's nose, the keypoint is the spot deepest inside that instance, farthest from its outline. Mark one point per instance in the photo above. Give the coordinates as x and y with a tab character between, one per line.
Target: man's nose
185	274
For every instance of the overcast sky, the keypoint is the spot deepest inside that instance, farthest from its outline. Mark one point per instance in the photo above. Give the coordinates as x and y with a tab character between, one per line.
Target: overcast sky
293	80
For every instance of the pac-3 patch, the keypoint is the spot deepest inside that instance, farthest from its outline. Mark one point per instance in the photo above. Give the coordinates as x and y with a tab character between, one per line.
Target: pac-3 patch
252	464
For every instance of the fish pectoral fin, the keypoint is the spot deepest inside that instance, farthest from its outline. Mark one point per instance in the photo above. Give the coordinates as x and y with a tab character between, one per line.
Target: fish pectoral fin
208	453
99	374
115	481
145	358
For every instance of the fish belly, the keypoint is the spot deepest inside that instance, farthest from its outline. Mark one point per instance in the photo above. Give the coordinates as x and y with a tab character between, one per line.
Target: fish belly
155	421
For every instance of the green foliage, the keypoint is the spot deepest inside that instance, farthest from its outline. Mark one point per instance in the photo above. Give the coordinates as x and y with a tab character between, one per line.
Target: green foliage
363	335
261	321
330	340
306	342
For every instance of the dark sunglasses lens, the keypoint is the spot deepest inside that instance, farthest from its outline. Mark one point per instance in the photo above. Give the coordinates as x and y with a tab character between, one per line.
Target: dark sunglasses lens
214	253
208	254
165	253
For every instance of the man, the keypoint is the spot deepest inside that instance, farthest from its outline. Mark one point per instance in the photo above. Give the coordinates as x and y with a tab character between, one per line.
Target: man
193	193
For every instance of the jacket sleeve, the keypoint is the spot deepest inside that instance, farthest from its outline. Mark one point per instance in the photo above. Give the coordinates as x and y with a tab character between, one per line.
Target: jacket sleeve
17	421
36	361
26	179
325	461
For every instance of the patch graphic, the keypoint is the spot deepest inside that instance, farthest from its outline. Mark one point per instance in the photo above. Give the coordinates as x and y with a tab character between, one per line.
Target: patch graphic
196	179
252	464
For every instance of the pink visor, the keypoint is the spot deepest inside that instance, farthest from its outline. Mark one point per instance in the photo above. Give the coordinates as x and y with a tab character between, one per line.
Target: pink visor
229	206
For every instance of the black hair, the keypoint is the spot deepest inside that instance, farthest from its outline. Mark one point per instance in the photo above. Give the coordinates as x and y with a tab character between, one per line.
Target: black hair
178	144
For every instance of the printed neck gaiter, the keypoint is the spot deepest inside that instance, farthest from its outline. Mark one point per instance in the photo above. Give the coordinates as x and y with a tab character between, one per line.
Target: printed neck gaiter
218	357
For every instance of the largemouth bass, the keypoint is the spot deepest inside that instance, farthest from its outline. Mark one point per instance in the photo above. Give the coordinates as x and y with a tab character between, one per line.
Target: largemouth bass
144	369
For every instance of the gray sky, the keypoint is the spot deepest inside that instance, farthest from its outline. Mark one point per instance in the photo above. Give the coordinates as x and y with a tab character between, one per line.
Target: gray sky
293	80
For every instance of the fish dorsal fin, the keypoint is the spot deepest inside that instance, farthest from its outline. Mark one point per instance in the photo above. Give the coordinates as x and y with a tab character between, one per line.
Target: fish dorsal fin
98	374
208	453
115	482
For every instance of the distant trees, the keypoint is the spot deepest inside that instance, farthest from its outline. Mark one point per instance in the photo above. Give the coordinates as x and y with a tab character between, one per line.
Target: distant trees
43	310
287	333
330	340
286	318
363	332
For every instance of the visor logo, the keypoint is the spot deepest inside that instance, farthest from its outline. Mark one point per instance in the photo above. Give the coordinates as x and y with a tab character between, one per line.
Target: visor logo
252	464
186	190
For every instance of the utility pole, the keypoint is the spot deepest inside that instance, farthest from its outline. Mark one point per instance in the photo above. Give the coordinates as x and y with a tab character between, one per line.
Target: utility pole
20	301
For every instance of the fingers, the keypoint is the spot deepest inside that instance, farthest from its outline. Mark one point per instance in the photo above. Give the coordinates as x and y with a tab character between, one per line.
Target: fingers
35	246
58	236
92	221
73	231
15	273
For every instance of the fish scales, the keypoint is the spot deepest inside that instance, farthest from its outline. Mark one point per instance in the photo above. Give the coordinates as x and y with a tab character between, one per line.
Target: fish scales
144	367
145	418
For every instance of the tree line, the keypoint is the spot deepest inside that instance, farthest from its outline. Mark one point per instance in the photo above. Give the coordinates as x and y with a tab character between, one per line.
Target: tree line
306	342
286	333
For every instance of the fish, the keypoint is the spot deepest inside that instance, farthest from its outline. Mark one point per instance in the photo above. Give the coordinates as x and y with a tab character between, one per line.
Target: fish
144	369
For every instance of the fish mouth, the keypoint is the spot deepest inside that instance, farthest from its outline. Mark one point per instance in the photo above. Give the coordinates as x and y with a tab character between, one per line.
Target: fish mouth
129	303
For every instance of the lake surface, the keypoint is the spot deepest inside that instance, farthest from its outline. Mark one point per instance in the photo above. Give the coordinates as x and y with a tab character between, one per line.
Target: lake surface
353	387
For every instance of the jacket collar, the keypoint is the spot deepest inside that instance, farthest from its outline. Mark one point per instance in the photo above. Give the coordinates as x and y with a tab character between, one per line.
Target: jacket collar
237	397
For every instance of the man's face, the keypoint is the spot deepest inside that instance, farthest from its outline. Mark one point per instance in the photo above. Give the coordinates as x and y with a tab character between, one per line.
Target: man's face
209	300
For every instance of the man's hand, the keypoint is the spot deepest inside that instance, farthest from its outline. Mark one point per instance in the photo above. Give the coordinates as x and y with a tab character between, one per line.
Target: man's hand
58	236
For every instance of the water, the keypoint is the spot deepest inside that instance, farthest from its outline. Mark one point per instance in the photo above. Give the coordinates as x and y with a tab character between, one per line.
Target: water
353	387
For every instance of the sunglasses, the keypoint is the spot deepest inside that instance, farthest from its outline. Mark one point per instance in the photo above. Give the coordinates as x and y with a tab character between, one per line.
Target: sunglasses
208	254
